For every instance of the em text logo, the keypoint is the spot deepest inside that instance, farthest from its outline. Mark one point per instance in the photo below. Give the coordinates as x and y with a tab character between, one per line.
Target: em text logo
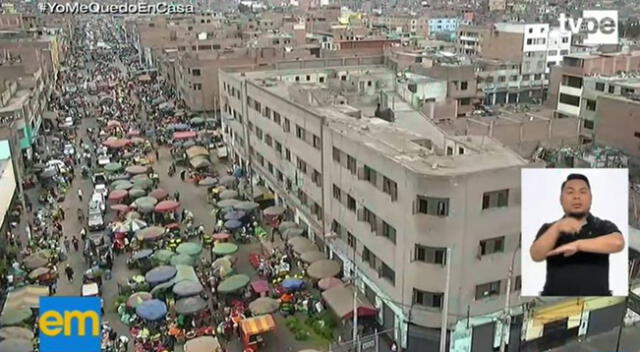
70	324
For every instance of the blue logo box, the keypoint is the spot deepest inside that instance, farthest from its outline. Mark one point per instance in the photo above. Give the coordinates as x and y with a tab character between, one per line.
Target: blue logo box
70	324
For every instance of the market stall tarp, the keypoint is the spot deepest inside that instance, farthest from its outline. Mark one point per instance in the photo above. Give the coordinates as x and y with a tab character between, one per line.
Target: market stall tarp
199	162
183	259
233	283
152	309
197	151
224	248
260	286
35	273
190	305
187	288
208	181
185	273
235	215
264	305
292	284
35	260
226	203
340	300
150	233
275	210
228	180
25	297
142	254
202	344
246	206
184	135
257	325
323	269
136	169
145	204
329	283
160	274
16	345
14	316
167	206
16	332
228	194
159	194
137	298
163	256
118	195
302	245
189	248
232	225
312	256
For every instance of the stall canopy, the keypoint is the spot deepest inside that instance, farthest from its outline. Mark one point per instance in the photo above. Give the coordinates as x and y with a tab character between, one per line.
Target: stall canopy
185	273
258	325
25	297
16	345
233	283
190	305
197	151
187	288
153	309
184	135
202	344
323	269
16	332
160	274
340	300
199	162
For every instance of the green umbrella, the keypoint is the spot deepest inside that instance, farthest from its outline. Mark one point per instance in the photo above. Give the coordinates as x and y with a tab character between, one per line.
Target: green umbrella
139	177
15	316
182	259
116	183
16	345
124	186
143	183
189	248
163	256
135	299
137	193
113	167
233	283
145	204
225	248
197	120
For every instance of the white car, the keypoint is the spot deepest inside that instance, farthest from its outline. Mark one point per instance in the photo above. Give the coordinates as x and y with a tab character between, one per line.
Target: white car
69	149
103	160
68	122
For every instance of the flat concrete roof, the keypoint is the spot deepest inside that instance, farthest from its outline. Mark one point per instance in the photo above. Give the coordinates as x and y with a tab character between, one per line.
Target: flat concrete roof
16	101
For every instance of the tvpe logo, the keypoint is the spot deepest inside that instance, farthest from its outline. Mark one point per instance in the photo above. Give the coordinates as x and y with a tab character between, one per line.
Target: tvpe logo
600	26
70	324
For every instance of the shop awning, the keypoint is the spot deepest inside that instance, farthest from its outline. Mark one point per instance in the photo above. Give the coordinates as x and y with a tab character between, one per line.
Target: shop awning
340	299
258	325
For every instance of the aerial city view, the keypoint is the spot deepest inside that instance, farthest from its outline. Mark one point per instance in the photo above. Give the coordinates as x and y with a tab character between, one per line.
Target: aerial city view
320	175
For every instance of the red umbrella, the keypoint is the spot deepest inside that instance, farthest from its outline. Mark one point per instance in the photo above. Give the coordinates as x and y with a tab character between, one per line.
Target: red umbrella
221	236
159	194
329	282
184	135
116	143
133	133
167	206
173	225
118	194
260	286
113	123
120	207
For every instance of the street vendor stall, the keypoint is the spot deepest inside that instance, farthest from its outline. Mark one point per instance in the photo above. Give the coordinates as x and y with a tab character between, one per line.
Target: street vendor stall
16	332
190	305
16	345
160	274
151	310
202	344
323	269
187	288
233	283
251	330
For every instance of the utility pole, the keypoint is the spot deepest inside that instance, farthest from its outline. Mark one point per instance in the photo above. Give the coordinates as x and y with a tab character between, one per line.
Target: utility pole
506	313
445	306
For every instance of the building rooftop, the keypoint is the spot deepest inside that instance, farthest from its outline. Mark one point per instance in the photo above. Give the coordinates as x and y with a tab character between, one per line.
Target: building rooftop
16	101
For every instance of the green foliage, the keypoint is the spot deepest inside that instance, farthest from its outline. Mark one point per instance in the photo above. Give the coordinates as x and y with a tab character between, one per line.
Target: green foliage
118	302
301	335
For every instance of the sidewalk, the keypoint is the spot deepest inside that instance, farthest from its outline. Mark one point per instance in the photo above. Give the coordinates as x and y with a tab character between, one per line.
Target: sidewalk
606	342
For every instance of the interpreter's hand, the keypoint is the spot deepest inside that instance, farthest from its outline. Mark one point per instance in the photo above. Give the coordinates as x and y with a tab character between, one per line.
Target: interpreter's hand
567	250
568	225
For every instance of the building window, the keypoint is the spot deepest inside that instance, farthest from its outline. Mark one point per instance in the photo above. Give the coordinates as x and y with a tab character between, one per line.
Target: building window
370	174
389	232
351	203
337	193
308	78
302	166
268	140
569	99
591	105
257	106
600	86
588	124
351	240
300	133
316	177
267	112
433	206
487	290
287	154
278	147
351	164
259	133
495	199
432	255
336	154
195	72
464	85
517	285
270	168
492	245
428	299
387	273
197	86
316	142
276	117
612	89
390	187
286	126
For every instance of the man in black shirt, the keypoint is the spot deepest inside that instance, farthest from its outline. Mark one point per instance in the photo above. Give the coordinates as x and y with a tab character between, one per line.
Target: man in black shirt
577	246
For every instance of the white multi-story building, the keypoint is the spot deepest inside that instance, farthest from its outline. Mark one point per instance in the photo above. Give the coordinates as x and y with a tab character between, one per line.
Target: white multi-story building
558	45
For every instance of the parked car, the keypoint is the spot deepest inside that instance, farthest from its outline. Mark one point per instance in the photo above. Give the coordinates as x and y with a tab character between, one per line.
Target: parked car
69	149
95	221
99	179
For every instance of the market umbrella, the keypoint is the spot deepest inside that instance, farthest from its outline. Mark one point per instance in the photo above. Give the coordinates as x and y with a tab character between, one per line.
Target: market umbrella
145	253
202	344
275	210
136	169
179	126
225	248
190	305
138	298
111	123
145	204
116	143
118	182
228	194
329	282
48	173
160	274
260	286
246	206
139	177
159	194
186	288
120	207
16	332
228	180
292	232
235	215
292	284
124	185
120	177
264	305
150	233
226	203
35	273
232	225
312	256
287	225
133	215
197	151
35	260
136	193
118	195
208	181
222	262
167	206
12	316
221	236
16	345
163	256
197	121
113	167
189	248
152	309
143	183
233	283
191	143
182	259
302	244
323	269
133	225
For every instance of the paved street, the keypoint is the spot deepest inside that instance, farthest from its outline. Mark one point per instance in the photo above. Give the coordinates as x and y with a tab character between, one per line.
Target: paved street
629	342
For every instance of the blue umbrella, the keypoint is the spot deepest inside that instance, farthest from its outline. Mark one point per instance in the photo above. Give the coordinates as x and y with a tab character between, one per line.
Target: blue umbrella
232	225
188	144
160	274
152	309
235	215
142	254
179	126
292	284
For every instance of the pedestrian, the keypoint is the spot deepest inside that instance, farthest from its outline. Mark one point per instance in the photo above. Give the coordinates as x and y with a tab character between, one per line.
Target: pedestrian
76	243
80	194
61	213
83	234
66	244
69	271
183	174
157	154
177	196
